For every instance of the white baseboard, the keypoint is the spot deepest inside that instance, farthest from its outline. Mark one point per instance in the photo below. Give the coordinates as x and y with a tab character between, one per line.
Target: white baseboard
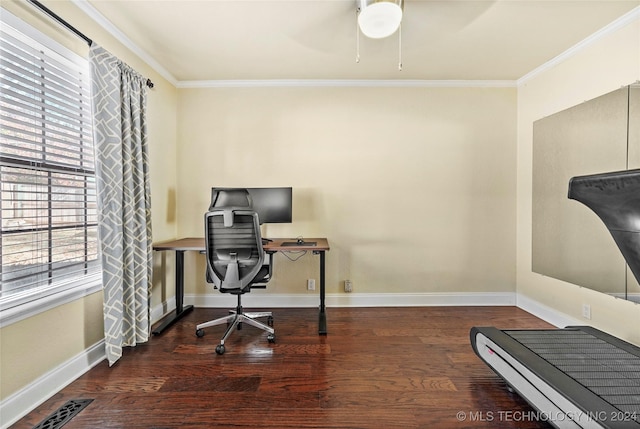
159	311
18	405
269	300
548	314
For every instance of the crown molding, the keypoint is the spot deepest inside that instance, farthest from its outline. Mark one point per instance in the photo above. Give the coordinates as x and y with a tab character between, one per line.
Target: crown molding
350	83
122	38
611	28
619	23
94	14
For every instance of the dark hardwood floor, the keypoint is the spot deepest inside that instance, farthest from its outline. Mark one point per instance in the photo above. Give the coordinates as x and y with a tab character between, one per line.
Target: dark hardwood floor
377	368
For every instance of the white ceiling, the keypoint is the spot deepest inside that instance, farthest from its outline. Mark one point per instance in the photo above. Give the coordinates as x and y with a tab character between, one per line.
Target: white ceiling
203	40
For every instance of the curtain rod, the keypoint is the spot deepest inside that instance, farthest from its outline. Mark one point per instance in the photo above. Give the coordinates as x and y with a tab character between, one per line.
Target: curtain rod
69	27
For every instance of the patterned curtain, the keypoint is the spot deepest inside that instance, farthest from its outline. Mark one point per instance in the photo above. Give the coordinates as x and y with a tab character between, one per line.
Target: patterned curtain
122	172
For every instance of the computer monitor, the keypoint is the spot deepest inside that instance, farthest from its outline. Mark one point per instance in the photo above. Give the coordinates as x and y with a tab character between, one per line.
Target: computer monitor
273	205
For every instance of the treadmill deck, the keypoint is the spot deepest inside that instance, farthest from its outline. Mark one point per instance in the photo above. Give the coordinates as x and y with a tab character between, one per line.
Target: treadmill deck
574	372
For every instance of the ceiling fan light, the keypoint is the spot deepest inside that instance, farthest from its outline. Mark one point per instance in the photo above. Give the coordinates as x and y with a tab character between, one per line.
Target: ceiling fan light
379	18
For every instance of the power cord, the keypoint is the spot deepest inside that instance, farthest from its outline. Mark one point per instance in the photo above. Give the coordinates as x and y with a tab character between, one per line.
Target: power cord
300	254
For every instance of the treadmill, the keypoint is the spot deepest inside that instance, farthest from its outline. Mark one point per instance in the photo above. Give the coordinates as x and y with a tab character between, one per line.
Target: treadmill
579	376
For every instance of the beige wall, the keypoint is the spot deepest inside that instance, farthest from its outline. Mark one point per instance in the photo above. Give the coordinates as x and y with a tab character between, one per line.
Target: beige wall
32	347
414	187
608	64
35	346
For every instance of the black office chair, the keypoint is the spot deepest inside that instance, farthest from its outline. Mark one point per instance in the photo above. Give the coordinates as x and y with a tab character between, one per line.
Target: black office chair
235	258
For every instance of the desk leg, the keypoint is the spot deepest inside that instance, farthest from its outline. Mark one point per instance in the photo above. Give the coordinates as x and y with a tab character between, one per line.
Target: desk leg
322	319
180	311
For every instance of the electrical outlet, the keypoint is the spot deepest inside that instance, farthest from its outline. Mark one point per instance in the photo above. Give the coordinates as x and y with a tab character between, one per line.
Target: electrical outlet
586	311
348	286
311	284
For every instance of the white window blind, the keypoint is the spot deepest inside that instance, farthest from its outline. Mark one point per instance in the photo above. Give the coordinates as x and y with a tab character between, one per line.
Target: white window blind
48	196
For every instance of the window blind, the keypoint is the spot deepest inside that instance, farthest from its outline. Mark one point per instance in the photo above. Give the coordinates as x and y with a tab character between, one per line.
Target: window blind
47	175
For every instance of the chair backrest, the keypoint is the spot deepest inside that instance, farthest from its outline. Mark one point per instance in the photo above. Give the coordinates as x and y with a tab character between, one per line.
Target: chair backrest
230	197
234	250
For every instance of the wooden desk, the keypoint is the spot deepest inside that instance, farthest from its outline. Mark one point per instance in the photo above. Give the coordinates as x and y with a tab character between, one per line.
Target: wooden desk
275	245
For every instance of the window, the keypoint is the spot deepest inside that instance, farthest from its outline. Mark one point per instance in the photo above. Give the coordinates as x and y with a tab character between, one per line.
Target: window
48	214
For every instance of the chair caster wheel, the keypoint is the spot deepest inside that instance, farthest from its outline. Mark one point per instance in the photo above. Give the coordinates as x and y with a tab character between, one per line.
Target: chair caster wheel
220	349
271	338
199	333
270	321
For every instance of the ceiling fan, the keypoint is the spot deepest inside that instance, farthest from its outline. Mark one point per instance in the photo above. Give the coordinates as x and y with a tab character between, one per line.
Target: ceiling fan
378	19
381	19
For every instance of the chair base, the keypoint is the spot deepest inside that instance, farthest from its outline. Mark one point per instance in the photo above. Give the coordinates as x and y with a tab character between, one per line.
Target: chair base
234	321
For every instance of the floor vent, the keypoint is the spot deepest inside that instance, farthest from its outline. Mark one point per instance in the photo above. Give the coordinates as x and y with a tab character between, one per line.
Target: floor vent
62	415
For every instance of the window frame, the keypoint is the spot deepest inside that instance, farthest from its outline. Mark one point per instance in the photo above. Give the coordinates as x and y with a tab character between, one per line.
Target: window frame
24	304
